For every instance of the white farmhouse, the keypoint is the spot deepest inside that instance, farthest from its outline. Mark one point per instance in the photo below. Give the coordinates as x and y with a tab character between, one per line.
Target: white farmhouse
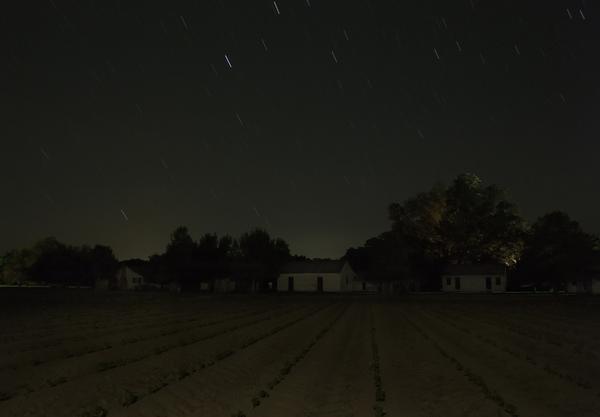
589	284
589	281
474	278
316	276
128	279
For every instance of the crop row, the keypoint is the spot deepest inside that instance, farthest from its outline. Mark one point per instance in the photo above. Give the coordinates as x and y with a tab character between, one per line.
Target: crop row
141	355
577	381
376	368
166	378
538	334
475	379
94	347
290	364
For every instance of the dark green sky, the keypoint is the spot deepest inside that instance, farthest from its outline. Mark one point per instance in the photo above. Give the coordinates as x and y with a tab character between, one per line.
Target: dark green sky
345	107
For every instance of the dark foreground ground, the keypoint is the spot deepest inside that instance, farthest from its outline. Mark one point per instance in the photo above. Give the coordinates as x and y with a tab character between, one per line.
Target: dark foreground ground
79	353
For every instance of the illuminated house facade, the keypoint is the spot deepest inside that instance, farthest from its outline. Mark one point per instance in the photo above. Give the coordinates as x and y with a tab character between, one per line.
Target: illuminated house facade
475	278
128	279
316	276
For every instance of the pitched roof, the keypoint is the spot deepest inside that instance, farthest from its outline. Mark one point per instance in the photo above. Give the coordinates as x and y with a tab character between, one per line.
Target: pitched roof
138	266
475	269
307	267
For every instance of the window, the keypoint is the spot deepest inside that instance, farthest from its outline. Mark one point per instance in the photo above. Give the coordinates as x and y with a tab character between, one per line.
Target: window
488	283
290	284
498	280
320	284
448	281
457	283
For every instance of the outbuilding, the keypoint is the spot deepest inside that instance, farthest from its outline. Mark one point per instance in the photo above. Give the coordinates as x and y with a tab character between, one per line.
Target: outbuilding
128	279
316	276
478	278
588	284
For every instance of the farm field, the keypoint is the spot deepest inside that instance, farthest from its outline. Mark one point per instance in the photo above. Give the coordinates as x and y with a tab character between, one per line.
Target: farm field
85	354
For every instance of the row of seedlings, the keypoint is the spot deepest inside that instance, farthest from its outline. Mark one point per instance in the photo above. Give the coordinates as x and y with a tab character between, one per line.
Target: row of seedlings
128	397
577	381
289	365
475	379
376	367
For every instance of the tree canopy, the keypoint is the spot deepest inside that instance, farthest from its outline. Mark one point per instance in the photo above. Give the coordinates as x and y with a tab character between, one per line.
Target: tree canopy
557	250
466	222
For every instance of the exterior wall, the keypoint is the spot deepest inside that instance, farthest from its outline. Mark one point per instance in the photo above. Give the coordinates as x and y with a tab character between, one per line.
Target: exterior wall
596	286
101	284
473	283
224	285
332	282
362	285
127	279
348	276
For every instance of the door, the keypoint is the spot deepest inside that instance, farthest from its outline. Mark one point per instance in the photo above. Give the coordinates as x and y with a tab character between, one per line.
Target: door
290	284
457	283
320	284
488	283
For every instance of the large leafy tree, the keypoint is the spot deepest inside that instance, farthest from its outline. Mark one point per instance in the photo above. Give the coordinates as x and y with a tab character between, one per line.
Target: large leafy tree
16	266
260	257
180	257
465	222
58	263
557	250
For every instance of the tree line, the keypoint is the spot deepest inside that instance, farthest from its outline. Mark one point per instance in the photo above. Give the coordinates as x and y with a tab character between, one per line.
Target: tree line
52	262
468	222
465	222
253	260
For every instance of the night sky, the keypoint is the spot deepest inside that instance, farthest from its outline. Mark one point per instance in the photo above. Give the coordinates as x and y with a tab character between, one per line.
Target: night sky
121	120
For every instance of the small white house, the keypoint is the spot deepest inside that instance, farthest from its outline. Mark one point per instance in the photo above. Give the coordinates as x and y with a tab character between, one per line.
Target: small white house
479	278
128	279
316	276
224	285
586	285
361	283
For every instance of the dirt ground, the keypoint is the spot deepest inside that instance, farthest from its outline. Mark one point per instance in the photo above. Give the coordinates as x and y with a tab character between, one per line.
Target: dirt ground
84	354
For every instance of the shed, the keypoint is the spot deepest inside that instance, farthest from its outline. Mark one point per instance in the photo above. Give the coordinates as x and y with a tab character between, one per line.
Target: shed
316	276
479	278
129	279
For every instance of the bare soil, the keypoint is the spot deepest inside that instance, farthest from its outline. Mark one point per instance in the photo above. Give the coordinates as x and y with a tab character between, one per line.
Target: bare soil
84	354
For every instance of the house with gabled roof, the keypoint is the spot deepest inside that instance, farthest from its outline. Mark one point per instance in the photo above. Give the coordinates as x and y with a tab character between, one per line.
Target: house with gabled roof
130	276
479	278
316	276
588	281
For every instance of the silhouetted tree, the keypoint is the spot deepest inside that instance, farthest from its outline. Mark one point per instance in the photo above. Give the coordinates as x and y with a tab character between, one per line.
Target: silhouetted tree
463	223
557	250
16	265
260	258
180	257
57	263
103	263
